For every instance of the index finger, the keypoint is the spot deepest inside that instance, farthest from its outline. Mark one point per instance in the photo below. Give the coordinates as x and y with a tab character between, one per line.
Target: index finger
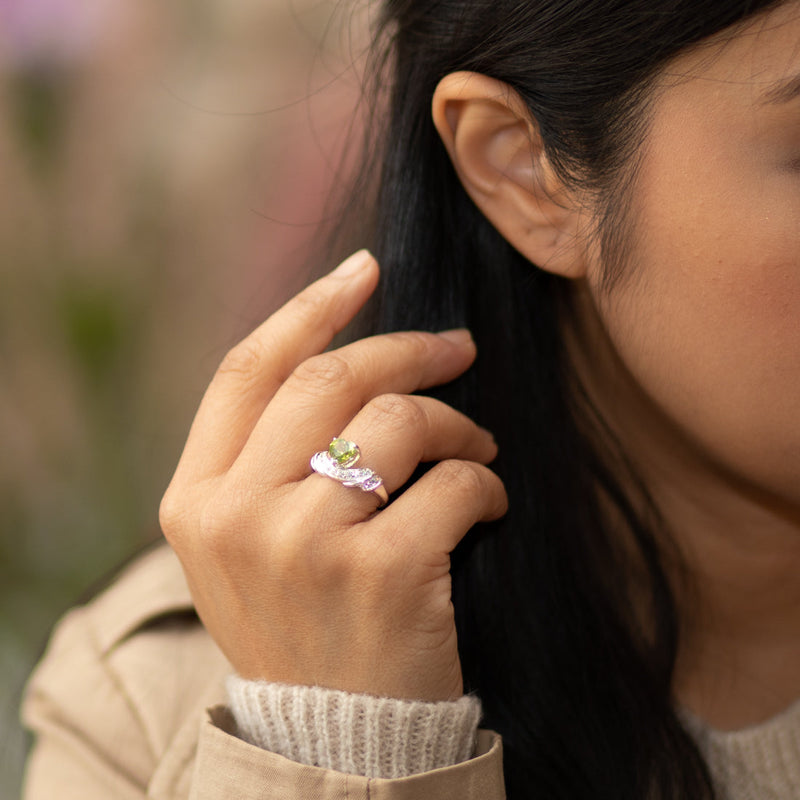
253	370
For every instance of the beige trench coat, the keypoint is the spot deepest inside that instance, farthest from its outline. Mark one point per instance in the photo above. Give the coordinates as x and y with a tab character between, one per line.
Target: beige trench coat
128	703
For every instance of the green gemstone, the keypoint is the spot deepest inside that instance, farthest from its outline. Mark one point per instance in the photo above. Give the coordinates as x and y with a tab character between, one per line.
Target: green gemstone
343	452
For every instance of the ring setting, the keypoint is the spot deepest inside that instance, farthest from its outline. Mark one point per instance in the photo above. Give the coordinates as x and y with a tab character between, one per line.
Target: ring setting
338	462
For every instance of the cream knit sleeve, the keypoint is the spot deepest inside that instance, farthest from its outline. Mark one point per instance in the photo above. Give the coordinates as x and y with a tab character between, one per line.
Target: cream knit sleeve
358	734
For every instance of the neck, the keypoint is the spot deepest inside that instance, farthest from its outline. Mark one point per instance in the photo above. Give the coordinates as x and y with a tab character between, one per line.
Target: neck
736	586
739	659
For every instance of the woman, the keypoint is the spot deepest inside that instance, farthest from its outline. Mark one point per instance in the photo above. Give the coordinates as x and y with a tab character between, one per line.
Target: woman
607	195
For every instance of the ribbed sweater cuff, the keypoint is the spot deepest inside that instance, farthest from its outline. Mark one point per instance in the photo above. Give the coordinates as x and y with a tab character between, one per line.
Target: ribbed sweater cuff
359	734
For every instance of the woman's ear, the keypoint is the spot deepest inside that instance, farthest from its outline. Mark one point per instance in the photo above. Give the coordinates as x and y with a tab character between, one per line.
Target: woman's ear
496	150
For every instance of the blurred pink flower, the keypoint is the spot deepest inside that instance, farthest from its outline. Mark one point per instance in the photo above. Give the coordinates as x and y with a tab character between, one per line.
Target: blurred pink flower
54	33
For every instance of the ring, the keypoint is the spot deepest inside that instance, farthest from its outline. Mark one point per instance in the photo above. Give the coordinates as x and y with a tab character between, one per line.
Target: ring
337	462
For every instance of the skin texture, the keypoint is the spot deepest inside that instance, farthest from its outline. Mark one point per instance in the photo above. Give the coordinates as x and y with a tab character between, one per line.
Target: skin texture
693	356
298	579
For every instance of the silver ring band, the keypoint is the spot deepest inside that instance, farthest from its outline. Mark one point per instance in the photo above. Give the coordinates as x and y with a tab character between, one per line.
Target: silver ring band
337	462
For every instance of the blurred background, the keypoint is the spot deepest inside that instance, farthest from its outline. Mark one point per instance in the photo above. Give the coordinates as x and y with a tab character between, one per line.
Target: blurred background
164	171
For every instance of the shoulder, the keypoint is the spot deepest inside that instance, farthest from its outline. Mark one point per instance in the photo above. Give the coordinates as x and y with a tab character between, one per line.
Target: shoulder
145	592
148	594
127	671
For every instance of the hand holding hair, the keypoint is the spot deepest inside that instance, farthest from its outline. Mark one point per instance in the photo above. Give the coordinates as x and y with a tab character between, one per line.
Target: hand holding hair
298	578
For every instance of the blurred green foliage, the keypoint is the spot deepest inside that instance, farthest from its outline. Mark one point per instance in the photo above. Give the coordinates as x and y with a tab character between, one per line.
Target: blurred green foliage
98	325
37	101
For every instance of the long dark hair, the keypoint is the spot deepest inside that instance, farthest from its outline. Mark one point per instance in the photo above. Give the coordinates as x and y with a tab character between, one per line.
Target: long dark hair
547	633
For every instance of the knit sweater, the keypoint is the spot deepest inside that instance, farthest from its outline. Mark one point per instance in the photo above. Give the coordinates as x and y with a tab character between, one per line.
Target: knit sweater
381	737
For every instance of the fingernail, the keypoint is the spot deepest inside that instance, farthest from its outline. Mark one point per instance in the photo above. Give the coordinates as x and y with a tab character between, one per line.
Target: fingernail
459	336
353	264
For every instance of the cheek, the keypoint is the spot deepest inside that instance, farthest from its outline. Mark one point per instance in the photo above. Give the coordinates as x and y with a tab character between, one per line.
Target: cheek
709	325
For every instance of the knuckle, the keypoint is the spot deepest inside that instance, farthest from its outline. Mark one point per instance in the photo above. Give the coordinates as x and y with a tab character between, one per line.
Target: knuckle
398	412
419	343
311	303
462	476
244	359
171	514
325	372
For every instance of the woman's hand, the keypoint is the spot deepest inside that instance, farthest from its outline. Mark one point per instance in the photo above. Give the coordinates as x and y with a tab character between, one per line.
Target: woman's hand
298	578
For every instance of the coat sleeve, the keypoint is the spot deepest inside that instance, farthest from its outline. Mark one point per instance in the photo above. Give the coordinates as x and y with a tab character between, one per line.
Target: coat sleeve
228	766
129	703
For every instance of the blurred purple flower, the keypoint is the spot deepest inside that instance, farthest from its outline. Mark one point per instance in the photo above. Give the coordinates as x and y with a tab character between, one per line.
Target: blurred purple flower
52	33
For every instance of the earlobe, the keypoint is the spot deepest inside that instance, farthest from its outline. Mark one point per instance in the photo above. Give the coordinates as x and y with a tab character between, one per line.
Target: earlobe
495	148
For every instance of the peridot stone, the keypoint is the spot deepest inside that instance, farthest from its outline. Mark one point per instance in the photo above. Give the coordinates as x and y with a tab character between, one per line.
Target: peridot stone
343	452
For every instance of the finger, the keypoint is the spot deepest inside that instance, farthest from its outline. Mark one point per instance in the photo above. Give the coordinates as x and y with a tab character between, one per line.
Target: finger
254	369
436	512
395	433
327	391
